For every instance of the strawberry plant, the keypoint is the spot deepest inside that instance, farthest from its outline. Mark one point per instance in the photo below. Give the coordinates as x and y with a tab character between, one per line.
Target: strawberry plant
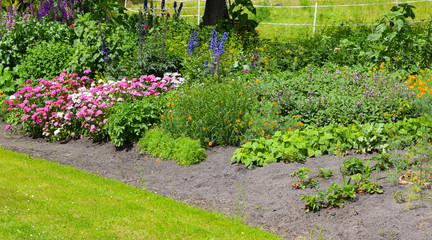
325	173
303	179
352	166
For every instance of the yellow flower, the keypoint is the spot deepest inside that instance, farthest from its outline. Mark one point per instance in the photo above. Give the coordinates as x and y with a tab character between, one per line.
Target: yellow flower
374	68
210	143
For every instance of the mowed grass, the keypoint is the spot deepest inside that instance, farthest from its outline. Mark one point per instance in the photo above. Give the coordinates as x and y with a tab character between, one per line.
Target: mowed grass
325	15
44	200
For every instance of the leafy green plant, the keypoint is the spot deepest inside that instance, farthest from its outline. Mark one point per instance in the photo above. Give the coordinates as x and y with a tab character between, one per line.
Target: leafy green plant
304	181
214	113
8	83
45	60
383	161
353	166
391	35
315	203
239	19
299	145
128	121
324	173
161	144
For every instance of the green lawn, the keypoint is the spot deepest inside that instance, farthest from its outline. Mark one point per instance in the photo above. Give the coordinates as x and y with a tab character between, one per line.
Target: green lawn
44	200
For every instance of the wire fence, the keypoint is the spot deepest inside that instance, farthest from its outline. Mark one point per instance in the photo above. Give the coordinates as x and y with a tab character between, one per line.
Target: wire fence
201	4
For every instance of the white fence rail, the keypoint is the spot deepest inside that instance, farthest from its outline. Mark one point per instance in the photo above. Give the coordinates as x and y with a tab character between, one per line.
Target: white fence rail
316	6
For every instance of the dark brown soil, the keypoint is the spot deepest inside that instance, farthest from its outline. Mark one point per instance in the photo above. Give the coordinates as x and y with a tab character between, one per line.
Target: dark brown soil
261	196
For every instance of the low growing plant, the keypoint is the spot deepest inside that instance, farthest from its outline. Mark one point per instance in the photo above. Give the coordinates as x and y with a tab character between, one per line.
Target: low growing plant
324	173
304	181
160	143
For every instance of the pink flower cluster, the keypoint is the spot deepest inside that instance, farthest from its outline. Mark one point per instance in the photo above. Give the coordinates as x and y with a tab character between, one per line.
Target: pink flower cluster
71	106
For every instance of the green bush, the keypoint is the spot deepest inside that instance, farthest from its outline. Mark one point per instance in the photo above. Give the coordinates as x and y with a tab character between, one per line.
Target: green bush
161	144
14	43
45	60
214	113
321	96
128	121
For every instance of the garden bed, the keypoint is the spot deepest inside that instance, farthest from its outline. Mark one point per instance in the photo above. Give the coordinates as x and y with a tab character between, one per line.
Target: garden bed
261	196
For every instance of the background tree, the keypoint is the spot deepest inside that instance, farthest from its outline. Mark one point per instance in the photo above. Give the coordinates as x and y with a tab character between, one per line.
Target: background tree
214	11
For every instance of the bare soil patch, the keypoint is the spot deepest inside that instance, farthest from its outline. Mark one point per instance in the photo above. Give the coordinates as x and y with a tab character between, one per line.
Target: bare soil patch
261	196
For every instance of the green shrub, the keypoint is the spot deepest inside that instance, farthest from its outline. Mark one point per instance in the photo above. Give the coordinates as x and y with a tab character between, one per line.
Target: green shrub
14	43
320	96
129	120
45	60
161	144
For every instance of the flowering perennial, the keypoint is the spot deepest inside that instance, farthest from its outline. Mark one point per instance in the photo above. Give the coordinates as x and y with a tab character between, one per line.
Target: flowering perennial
71	106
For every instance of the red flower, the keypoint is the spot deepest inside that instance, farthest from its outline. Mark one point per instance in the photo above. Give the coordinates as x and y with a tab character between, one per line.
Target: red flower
72	25
146	27
168	15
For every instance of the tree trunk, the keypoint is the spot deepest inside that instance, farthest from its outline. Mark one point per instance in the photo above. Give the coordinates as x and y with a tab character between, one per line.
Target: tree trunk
214	11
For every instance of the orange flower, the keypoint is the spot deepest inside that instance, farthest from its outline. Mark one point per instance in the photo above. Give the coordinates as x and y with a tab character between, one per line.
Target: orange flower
187	122
250	123
262	112
158	160
239	93
162	116
238	120
274	103
170	116
201	109
262	99
268	136
245	83
240	113
203	128
374	68
229	120
266	123
273	122
289	129
168	104
257	81
172	104
277	112
295	117
381	66
210	143
301	124
284	128
369	72
271	126
221	101
190	117
297	125
246	142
